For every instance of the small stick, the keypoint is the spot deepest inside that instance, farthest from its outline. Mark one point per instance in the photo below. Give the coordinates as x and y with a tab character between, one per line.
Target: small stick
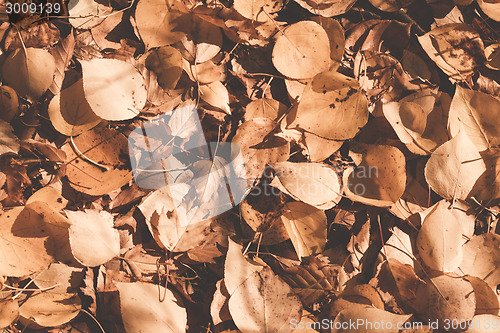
82	155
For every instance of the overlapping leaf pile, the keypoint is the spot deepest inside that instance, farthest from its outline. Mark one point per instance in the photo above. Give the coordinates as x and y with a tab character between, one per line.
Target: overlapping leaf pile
370	136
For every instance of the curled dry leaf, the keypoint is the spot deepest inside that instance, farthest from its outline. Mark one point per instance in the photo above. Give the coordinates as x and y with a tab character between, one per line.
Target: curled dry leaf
62	52
481	258
490	8
306	226
492	54
456	48
9	103
161	22
166	63
477	113
113	88
264	303
105	146
260	147
446	298
50	309
29	72
93	239
454	167
379	178
419	122
216	94
313	183
9	143
332	107
143	311
70	113
302	51
439	241
219	309
368	316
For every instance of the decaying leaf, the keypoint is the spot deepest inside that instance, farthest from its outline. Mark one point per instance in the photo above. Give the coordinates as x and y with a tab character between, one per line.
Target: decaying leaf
166	63
216	94
456	48
237	269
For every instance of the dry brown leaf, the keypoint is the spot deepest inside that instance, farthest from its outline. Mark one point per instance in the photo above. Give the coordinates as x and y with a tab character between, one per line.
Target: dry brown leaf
481	258
336	37
439	241
9	312
264	108
29	72
237	269
50	309
206	72
62	54
113	88
302	51
93	239
391	5
143	311
445	299
70	113
332	107
490	8
202	43
105	146
264	303
259	147
257	10
9	143
313	183
161	22
24	246
456	48
216	94
379	178
477	113
306	226
166	63
486	298
454	167
85	14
